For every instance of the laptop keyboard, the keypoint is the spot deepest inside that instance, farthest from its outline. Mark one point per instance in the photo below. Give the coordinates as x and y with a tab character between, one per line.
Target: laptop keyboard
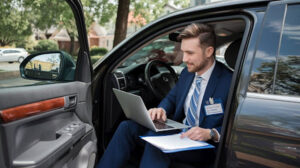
160	125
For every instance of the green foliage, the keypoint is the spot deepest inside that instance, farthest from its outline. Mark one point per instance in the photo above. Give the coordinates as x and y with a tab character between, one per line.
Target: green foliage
32	52
19	16
98	51
95	58
15	22
54	13
104	10
46	45
148	9
28	43
153	9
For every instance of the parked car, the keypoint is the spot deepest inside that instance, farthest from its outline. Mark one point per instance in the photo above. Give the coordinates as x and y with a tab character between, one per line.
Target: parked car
12	54
68	120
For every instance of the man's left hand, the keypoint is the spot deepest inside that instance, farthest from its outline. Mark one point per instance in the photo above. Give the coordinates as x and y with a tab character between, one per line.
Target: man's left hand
197	134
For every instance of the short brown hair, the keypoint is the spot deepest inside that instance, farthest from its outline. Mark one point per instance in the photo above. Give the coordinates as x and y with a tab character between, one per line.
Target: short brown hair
204	32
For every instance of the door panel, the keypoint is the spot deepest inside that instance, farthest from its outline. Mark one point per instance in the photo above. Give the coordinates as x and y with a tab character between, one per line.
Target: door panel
266	132
56	137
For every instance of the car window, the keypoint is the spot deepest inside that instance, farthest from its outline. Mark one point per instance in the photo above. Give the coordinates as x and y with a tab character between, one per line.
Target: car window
7	51
161	49
287	80
34	27
11	51
167	51
262	75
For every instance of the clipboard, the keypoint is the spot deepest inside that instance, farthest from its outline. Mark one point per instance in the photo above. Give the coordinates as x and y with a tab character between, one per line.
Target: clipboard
173	143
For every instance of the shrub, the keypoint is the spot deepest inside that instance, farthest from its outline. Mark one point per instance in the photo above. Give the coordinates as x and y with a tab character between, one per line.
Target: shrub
32	52
98	51
46	45
27	43
95	59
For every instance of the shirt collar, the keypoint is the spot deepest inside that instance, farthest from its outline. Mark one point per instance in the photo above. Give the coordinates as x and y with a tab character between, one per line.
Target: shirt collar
206	75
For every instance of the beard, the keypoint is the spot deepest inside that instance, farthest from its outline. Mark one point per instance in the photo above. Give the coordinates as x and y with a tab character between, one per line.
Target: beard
196	68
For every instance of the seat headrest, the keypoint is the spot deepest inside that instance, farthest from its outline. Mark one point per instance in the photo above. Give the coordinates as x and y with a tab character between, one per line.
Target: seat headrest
232	52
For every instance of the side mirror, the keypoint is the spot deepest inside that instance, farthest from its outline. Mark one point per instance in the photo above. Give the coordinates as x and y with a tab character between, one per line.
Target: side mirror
53	65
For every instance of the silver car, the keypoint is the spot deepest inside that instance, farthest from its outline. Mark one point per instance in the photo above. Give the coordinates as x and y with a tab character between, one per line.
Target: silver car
12	54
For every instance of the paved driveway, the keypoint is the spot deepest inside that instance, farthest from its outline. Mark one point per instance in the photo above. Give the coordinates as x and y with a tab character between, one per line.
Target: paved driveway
9	67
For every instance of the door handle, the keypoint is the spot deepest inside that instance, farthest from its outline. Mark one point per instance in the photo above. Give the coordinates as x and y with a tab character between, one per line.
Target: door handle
71	101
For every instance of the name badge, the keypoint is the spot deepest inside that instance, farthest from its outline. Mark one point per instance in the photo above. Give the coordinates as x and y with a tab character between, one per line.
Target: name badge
215	107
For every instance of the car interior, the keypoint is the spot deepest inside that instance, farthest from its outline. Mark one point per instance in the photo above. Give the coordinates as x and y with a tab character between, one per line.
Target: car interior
153	69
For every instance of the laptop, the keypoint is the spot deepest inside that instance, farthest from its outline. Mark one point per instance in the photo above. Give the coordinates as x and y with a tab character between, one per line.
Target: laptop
135	109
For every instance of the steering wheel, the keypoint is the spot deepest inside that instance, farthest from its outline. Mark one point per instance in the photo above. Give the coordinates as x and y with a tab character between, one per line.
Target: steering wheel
162	82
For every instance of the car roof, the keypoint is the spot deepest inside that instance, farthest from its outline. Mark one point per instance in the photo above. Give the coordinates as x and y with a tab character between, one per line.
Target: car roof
219	5
12	49
229	3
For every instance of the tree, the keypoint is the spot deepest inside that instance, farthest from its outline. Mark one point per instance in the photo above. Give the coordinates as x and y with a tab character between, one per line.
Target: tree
15	22
54	14
152	9
60	16
19	17
104	10
148	9
121	22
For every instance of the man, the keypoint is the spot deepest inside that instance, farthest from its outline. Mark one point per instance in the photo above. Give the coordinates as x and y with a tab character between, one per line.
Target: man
203	83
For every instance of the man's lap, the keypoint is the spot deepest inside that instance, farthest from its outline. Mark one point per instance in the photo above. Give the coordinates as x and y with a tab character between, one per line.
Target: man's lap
131	129
191	156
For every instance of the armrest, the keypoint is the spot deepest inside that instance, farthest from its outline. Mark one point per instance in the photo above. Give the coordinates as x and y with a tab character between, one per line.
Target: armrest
44	153
43	149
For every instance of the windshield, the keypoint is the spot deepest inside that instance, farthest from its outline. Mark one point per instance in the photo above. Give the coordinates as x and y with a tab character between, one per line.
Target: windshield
161	49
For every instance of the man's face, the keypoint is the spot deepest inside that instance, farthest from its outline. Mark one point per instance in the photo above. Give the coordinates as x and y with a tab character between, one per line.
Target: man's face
197	58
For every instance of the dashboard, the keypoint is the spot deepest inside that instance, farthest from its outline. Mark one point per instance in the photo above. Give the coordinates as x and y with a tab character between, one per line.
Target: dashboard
132	79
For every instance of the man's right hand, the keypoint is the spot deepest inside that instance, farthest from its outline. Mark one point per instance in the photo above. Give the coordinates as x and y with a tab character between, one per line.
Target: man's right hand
158	114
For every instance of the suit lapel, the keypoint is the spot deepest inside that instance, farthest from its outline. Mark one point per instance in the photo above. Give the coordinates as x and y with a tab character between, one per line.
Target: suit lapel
185	89
210	88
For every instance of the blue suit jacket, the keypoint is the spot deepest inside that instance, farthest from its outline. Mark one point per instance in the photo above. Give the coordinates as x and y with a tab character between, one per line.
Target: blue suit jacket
217	88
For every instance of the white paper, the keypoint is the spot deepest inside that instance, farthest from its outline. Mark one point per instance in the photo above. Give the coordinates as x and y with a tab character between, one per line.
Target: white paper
173	142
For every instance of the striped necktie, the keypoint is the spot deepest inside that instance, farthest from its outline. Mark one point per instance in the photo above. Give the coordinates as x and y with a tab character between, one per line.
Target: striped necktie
192	116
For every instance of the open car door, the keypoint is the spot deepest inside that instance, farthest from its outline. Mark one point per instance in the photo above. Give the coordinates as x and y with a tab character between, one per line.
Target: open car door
46	121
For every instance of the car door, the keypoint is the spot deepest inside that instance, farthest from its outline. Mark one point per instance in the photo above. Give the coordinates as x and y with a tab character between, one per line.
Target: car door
8	55
48	122
13	55
265	128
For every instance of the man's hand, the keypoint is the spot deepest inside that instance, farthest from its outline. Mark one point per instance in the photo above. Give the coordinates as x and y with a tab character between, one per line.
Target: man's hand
158	114
197	134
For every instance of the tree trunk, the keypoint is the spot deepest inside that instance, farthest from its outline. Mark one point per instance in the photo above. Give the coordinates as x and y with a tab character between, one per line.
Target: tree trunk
72	44
122	20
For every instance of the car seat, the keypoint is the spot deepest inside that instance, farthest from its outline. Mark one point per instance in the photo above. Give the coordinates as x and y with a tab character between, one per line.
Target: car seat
232	52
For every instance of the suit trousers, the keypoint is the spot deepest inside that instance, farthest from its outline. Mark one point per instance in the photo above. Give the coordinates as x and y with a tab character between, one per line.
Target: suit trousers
126	139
